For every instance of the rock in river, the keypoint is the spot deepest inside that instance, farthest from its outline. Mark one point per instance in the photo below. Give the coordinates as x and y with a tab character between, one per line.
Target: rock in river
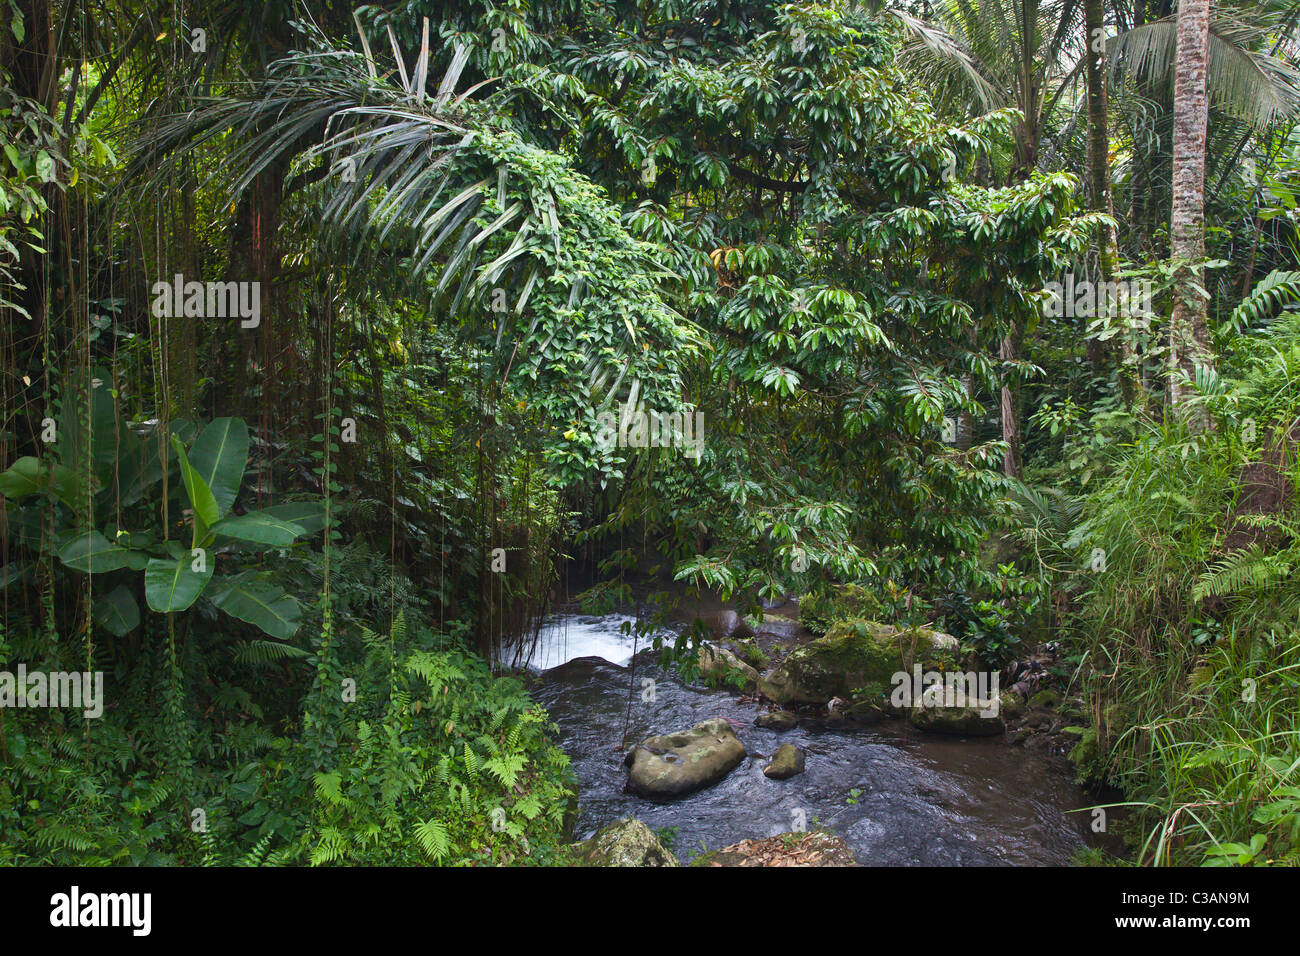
623	843
723	624
778	720
725	667
677	764
789	760
852	656
941	711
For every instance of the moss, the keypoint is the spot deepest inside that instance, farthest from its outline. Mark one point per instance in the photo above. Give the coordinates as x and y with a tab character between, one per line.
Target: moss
1087	758
1045	700
752	654
852	648
853	654
1011	704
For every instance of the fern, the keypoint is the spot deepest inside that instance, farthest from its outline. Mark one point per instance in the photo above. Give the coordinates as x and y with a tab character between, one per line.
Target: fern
1245	570
433	840
1269	294
253	653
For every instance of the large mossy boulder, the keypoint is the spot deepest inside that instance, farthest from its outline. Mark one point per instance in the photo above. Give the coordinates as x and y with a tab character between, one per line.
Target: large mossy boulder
623	843
942	710
677	764
853	655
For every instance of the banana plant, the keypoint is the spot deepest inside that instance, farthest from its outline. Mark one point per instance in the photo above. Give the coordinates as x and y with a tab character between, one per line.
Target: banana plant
100	462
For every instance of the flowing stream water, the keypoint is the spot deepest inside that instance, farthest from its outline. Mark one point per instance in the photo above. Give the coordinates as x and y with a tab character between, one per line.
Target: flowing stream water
895	796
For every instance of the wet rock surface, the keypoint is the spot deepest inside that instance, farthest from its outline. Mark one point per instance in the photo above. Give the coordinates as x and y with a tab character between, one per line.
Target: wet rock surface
788	761
673	765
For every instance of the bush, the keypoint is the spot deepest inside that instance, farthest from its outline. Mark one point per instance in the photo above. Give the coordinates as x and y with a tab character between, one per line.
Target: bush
838	602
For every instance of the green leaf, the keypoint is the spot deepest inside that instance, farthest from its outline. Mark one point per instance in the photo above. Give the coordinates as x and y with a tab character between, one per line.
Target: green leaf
259	527
308	515
202	499
93	553
218	456
118	611
21	479
265	606
28	476
174	585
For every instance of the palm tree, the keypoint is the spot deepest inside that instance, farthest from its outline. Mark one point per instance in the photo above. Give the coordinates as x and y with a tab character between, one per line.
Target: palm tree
424	191
1251	89
1187	326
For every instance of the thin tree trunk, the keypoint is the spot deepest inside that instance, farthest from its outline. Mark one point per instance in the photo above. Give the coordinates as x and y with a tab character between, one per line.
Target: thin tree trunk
1100	199
1188	325
1010	427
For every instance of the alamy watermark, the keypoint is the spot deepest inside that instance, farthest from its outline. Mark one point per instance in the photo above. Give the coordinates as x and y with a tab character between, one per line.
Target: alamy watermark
77	690
1087	299
936	689
637	428
77	909
210	300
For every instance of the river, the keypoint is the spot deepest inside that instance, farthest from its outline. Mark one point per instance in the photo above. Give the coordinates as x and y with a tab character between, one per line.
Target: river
897	797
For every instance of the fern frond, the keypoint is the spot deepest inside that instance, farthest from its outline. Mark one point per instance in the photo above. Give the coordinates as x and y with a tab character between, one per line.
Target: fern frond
252	653
1250	569
433	840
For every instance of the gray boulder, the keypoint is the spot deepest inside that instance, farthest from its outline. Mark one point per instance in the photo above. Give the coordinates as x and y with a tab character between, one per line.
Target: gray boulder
674	765
941	711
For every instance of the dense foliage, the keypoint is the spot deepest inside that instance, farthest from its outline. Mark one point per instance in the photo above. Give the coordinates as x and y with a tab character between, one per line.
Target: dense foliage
472	248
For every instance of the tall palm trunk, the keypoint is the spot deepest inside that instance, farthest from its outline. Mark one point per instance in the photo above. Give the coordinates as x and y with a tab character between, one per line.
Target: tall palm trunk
1099	192
1188	325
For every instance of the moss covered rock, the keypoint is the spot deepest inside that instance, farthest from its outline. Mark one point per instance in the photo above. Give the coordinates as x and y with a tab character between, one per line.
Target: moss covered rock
623	843
788	761
852	655
1045	700
720	666
677	764
1088	758
942	710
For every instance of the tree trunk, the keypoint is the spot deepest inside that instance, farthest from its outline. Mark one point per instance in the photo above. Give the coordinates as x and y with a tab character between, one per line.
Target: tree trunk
1099	193
1188	326
1010	427
1139	188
